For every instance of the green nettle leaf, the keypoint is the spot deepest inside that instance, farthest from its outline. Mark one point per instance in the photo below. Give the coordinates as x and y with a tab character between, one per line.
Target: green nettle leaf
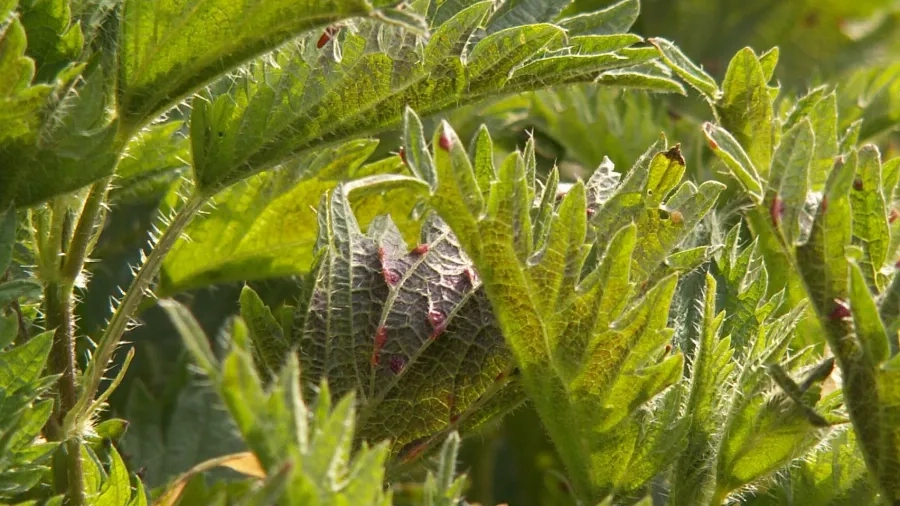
870	382
745	290
265	227
74	145
740	430
586	342
726	147
168	50
789	180
822	259
769	432
302	97
825	123
640	199
444	487
519	12
112	429
152	161
306	452
835	475
871	229
840	291
839	269
616	18
21	102
18	288
53	40
408	329
23	459
116	488
820	107
404	18
745	109
778	181
686	69
768	61
270	345
710	366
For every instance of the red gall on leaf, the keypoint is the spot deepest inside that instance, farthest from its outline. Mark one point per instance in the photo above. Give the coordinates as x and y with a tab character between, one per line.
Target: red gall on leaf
380	340
381	337
413	450
840	311
438	322
471	276
397	364
858	184
713	145
500	376
776	210
444	141
591	212
676	217
402	154
420	249
894	215
391	277
330	32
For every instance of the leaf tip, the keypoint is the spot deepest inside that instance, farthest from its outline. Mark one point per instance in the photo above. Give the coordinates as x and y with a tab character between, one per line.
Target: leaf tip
675	155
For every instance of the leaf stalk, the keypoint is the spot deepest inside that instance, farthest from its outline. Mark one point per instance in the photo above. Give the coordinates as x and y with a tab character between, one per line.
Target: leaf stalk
136	292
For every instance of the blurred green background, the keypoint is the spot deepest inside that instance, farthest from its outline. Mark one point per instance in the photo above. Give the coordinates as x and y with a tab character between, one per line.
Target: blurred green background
851	44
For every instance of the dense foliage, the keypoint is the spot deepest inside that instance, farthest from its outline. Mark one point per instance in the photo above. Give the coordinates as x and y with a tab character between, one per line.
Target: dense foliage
639	262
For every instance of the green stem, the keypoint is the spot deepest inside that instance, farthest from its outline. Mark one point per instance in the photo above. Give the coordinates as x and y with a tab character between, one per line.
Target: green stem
111	337
58	311
83	236
59	316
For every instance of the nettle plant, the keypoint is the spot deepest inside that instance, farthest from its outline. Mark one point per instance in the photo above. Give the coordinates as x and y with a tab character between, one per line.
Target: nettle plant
450	283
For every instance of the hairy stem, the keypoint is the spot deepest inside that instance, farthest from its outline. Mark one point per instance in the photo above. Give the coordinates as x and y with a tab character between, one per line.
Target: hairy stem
118	324
58	300
83	236
58	311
